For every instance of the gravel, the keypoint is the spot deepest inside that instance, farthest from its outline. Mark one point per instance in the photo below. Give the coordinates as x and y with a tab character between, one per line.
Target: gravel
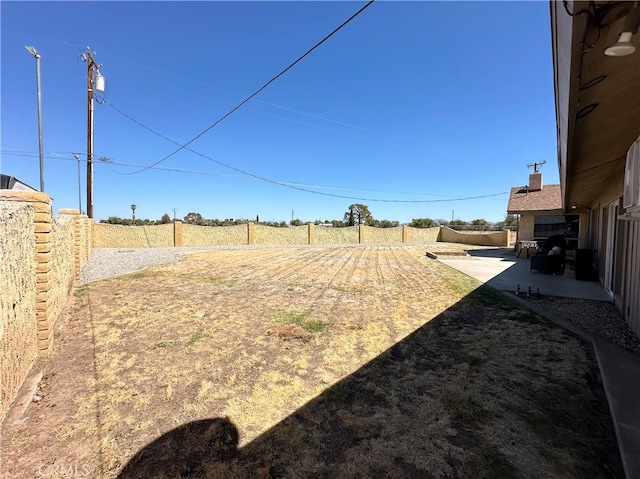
598	317
109	262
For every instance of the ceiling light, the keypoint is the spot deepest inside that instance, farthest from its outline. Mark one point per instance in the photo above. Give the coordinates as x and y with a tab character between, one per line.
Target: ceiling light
623	47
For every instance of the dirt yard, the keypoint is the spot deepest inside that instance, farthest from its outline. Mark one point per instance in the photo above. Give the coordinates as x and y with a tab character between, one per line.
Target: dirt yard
359	362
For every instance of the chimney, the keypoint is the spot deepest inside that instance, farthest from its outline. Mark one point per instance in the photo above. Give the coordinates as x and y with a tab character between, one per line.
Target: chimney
535	181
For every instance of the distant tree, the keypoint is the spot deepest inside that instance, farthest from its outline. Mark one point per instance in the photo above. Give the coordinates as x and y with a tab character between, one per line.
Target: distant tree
422	223
358	214
480	222
296	222
193	218
385	223
510	221
458	222
165	219
257	219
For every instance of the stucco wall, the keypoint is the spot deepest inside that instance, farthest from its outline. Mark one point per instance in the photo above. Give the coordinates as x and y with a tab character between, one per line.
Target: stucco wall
422	235
499	238
326	235
284	236
194	235
525	227
18	344
369	234
120	236
62	272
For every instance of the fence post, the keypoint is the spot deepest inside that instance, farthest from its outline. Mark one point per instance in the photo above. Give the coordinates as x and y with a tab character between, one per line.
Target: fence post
405	234
178	233
312	233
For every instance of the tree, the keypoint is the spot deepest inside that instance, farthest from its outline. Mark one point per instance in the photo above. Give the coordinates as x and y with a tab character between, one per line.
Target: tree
296	222
165	219
510	221
358	214
422	223
480	222
192	218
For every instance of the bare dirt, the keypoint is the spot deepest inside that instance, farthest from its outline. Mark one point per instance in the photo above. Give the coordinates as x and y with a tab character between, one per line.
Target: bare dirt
363	362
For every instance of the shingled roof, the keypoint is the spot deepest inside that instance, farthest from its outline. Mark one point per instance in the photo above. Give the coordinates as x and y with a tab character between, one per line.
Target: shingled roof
547	200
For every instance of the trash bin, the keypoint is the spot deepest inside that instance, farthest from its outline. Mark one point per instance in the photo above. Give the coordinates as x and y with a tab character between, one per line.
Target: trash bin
586	265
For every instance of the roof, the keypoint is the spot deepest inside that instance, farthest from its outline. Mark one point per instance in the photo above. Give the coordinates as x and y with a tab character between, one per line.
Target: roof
548	199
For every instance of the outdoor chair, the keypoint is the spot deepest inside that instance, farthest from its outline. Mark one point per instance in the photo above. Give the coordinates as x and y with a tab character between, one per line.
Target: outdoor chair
551	257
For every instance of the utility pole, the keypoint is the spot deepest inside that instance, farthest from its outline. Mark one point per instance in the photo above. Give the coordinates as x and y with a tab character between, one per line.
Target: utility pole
174	215
36	55
99	84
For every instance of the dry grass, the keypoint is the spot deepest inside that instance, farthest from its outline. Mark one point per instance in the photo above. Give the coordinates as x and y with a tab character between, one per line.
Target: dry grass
363	362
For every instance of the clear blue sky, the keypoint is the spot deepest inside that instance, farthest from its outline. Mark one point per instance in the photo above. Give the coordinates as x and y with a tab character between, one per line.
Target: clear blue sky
411	101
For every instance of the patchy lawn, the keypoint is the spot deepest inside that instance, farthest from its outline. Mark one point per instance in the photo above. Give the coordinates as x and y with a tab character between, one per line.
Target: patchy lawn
363	362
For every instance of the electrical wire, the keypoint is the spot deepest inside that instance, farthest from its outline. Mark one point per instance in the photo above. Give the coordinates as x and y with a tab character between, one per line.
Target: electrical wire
259	90
287	185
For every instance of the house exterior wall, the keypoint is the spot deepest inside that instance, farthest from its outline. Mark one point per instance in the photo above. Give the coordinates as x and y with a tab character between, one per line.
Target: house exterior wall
525	227
626	250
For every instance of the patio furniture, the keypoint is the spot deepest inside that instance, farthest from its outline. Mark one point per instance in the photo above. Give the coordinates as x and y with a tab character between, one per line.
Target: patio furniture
526	246
551	257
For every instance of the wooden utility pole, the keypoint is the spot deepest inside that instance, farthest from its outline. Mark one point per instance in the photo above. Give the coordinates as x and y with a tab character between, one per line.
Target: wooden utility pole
91	67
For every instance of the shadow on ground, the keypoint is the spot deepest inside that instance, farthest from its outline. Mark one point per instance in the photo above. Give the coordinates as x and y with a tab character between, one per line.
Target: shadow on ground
486	389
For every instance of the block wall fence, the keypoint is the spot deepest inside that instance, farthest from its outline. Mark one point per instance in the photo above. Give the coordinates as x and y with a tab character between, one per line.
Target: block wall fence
179	234
41	258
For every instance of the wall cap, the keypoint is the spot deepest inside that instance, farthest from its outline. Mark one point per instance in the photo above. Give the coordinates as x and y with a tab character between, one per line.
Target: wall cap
29	196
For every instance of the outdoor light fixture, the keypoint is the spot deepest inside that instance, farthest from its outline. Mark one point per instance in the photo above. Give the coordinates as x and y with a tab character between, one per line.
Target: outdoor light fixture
624	47
574	206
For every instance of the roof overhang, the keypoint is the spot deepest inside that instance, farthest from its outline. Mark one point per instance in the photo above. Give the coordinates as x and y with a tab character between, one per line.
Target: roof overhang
597	97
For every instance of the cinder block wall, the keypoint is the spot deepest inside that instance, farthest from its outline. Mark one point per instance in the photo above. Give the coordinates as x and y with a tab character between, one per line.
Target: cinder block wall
194	235
39	260
422	235
120	236
282	236
18	342
326	235
499	238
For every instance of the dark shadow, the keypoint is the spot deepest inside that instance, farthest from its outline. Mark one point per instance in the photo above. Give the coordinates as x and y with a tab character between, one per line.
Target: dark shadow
420	410
492	253
190	450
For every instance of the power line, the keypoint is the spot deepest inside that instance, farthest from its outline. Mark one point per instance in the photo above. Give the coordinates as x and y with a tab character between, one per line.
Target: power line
236	108
287	185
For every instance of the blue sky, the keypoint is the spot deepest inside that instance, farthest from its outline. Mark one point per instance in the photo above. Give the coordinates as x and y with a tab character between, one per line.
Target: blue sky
409	108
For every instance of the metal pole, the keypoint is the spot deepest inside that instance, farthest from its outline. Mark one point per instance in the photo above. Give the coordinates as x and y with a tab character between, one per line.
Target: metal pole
40	124
90	64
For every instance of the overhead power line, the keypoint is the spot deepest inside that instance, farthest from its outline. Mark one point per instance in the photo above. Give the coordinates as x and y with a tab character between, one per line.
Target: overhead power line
286	185
236	108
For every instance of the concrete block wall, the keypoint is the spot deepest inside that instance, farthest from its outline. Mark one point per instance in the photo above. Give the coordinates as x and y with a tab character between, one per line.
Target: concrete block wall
18	333
40	258
498	238
120	236
326	235
194	235
284	236
422	235
369	234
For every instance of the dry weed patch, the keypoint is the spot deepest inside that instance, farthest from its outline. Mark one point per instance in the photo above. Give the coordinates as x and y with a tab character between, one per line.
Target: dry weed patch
363	362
